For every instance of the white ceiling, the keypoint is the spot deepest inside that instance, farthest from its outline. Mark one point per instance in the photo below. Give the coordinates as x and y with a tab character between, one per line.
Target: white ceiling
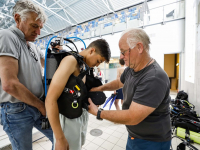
65	13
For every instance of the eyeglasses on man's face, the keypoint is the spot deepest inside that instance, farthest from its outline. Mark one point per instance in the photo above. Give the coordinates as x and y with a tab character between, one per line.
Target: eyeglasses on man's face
123	53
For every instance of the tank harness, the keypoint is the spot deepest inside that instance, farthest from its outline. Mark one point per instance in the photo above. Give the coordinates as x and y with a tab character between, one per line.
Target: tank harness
76	93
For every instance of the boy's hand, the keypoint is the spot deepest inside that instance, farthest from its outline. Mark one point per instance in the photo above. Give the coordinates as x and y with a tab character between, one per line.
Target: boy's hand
62	144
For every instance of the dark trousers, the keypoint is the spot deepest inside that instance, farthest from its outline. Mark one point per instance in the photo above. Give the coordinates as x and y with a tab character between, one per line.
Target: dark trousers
139	144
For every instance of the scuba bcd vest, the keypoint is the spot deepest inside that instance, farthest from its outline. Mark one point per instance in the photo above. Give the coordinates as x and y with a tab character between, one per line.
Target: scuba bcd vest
76	93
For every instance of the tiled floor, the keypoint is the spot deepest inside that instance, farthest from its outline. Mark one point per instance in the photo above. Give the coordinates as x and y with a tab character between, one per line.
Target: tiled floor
114	136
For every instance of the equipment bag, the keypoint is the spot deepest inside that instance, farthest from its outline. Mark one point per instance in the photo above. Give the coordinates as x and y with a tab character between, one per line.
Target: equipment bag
182	95
187	123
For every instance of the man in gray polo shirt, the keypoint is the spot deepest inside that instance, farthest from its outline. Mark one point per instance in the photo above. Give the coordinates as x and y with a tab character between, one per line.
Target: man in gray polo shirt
20	76
146	90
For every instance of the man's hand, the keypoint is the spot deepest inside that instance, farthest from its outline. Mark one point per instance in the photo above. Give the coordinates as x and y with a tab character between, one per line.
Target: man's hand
41	108
92	108
62	144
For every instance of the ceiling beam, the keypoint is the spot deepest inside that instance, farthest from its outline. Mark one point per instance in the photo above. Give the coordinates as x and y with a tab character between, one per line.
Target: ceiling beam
6	15
55	8
66	15
96	6
106	2
111	4
44	3
54	3
107	6
64	8
1	16
52	12
64	11
69	7
44	29
64	3
49	27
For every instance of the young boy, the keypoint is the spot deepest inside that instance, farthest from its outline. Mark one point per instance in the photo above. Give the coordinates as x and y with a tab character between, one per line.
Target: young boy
70	133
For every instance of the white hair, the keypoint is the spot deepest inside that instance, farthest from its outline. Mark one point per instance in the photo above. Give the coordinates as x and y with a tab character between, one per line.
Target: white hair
136	35
24	7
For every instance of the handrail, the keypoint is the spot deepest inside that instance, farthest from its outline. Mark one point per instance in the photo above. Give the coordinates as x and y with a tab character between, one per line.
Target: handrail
109	20
167	4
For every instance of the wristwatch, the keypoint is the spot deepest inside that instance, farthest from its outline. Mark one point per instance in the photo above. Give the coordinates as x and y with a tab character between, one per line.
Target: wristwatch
99	113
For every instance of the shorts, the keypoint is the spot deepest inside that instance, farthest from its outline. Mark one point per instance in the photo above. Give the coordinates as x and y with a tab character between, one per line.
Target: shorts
119	94
75	130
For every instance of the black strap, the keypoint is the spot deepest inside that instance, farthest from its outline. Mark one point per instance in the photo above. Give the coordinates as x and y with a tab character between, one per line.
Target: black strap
91	72
69	47
72	43
99	114
81	75
187	133
85	105
187	136
80	61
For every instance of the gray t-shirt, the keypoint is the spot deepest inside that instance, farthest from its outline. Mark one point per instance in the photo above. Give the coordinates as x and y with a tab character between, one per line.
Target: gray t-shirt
13	44
150	87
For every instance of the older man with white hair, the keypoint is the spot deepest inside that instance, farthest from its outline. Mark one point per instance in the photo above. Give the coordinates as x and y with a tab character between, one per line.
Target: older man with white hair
21	84
146	90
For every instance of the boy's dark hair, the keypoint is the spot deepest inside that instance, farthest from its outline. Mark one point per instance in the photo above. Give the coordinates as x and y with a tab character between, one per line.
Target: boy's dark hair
121	61
102	48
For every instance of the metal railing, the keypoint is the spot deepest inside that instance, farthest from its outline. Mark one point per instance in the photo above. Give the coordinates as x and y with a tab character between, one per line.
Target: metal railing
161	14
157	15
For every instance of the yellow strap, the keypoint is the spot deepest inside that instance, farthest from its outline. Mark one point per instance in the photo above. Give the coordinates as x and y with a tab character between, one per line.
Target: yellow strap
77	87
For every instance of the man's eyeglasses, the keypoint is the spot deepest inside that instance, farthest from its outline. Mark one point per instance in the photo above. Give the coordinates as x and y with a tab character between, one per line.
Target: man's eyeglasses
32	53
123	53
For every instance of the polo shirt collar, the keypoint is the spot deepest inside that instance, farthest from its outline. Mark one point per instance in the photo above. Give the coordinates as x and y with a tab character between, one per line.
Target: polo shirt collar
18	32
